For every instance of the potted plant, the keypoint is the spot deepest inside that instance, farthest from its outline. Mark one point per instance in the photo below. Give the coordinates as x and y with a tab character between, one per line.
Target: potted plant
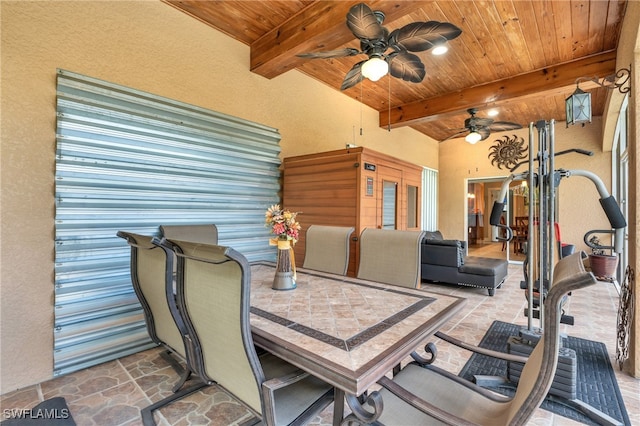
602	264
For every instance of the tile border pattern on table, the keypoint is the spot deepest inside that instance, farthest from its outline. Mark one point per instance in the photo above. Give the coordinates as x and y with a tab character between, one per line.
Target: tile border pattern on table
362	337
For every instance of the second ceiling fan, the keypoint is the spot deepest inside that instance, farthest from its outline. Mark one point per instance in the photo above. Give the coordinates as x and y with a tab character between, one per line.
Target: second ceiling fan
479	129
388	52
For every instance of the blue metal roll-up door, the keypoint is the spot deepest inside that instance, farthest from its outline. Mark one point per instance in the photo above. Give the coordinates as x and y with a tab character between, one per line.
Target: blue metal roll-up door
130	160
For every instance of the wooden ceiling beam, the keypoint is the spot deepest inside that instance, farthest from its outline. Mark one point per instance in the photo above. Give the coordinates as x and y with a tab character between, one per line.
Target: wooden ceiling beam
321	26
548	81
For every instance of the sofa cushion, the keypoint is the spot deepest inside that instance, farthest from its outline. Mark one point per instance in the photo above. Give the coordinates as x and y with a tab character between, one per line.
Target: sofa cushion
454	243
433	235
443	255
447	252
484	266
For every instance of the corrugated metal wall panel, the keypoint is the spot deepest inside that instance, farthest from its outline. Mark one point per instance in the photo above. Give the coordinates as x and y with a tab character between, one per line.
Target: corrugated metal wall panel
429	199
130	160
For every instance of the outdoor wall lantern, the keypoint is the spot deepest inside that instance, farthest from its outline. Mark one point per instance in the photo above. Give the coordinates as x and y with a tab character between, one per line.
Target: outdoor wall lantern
578	105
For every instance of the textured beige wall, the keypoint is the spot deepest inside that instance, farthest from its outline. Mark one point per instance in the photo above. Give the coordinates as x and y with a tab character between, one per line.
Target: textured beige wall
577	195
629	54
152	47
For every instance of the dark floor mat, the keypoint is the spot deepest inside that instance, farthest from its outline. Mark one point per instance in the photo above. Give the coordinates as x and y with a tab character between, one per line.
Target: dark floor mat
596	381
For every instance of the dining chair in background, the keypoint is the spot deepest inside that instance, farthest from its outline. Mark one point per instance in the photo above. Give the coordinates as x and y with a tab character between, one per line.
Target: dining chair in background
205	233
390	256
520	234
422	393
198	233
327	248
213	294
151	277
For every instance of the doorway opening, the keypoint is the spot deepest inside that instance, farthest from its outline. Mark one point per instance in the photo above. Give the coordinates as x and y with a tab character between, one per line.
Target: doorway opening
483	239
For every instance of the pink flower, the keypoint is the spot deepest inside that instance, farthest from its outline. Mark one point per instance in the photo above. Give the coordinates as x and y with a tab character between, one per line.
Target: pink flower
282	222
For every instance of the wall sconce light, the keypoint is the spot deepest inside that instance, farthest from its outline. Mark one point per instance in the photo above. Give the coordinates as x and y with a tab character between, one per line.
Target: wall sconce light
578	105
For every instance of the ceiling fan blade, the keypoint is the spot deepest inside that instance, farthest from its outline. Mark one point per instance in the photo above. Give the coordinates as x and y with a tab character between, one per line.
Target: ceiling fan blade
478	122
331	53
407	66
354	76
420	36
501	126
456	135
484	131
363	23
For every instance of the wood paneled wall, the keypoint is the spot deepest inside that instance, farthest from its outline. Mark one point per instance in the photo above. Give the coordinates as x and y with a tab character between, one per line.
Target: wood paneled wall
334	188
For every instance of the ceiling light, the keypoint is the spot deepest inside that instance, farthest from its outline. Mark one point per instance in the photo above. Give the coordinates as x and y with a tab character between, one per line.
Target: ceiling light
493	112
473	137
375	68
440	49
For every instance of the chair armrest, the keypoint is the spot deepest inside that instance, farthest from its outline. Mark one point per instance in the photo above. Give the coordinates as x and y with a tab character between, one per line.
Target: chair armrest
421	404
481	351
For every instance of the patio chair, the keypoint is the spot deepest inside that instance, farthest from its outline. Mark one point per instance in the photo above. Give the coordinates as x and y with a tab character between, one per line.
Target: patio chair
327	248
151	278
206	233
213	289
197	233
422	393
390	256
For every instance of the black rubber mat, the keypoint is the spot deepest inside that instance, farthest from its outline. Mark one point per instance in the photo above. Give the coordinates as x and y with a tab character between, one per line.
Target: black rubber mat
596	381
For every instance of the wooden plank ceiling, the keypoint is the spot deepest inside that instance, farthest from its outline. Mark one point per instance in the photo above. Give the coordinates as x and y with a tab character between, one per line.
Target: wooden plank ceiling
521	57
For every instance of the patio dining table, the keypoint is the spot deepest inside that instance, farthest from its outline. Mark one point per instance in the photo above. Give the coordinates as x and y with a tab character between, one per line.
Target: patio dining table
346	331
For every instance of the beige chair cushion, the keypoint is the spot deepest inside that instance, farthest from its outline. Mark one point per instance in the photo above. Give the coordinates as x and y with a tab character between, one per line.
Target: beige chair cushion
148	268
205	233
213	298
327	248
215	291
447	396
390	256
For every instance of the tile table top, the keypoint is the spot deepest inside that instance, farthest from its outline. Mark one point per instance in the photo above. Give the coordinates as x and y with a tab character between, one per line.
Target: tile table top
347	331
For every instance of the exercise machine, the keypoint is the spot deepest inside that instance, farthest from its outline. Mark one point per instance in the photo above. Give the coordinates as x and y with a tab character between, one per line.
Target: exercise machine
543	250
542	246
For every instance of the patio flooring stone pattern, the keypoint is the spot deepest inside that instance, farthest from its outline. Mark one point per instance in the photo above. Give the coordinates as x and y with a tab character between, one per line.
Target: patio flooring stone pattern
112	394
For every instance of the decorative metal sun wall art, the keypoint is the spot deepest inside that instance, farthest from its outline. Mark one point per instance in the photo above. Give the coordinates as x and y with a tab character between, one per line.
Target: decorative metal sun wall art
507	152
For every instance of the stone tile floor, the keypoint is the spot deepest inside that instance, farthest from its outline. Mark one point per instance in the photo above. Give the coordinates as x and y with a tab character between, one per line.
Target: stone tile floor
112	394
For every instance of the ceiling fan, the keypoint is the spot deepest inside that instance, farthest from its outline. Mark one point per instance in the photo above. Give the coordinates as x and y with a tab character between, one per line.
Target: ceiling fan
388	52
479	128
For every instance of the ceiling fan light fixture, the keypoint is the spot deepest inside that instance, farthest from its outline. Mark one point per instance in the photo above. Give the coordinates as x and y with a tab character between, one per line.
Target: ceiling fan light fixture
375	68
473	137
439	49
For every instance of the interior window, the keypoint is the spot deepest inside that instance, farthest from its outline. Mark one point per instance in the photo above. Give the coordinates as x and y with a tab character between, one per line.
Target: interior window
412	206
389	205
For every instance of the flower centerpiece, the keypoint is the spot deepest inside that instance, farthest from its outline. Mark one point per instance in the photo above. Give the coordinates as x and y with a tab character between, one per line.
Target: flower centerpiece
283	223
285	226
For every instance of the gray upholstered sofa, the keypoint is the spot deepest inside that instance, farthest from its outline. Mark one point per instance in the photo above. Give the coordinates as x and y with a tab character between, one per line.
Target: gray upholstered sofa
446	261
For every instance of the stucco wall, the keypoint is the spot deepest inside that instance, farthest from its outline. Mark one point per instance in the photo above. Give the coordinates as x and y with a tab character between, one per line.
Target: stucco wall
149	46
579	208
